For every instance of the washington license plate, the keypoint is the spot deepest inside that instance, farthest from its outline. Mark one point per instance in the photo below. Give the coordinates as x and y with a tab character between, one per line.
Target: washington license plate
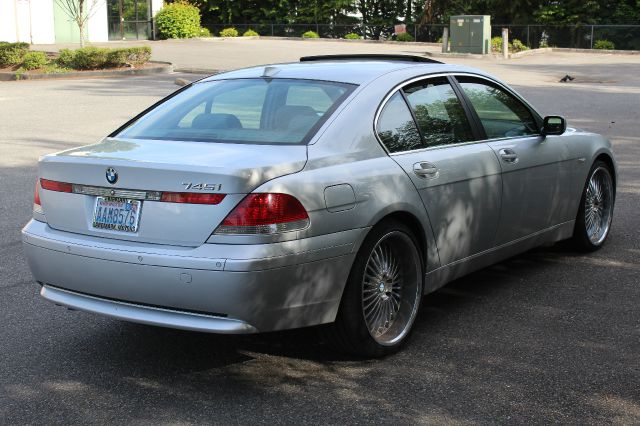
117	214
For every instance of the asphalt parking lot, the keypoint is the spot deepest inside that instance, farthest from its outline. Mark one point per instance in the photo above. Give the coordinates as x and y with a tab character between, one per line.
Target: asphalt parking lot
550	336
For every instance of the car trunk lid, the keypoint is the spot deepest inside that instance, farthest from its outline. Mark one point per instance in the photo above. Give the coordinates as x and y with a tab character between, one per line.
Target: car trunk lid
147	168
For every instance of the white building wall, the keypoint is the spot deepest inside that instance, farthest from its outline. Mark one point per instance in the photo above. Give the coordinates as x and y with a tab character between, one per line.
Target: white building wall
23	20
42	31
97	26
30	21
8	21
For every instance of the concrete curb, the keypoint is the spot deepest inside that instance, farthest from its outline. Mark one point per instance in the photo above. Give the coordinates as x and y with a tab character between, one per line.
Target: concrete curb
596	51
530	52
207	71
417	43
161	68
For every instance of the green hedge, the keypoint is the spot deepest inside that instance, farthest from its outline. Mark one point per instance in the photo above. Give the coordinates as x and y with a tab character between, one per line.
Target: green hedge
604	45
34	60
88	58
352	36
310	34
515	45
178	20
404	37
131	56
250	33
12	53
229	32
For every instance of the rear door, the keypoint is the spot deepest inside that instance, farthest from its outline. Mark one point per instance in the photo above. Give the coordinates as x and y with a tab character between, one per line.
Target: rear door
534	183
427	132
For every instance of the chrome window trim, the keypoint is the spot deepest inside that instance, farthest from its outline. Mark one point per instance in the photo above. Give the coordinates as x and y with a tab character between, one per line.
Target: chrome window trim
446	74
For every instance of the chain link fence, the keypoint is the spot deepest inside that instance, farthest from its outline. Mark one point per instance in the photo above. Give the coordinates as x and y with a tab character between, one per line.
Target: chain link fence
623	37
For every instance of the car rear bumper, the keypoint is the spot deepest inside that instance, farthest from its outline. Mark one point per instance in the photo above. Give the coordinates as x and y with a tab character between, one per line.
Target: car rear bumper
215	287
146	314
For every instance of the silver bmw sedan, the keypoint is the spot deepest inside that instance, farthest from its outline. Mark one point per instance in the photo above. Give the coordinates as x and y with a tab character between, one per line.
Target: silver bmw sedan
338	190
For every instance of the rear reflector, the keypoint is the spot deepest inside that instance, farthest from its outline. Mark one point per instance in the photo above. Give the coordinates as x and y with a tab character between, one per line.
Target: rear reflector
191	198
52	185
36	195
37	204
265	214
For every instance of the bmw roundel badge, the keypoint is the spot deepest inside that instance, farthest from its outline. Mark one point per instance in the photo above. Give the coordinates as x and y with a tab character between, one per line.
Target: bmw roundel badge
112	175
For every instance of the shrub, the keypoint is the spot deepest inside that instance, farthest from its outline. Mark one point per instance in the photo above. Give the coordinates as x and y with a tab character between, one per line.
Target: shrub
93	57
204	32
12	53
310	34
131	56
515	46
518	46
496	44
178	20
604	45
229	32
34	60
65	58
250	33
352	36
89	58
404	37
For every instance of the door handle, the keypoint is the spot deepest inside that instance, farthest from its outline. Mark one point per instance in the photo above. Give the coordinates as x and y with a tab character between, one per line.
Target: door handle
426	170
508	155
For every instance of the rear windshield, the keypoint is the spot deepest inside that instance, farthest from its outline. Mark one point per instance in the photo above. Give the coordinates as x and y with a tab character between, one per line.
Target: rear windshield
255	111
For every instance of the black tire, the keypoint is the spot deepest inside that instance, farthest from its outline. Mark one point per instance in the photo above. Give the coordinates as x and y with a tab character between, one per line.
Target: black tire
350	333
582	239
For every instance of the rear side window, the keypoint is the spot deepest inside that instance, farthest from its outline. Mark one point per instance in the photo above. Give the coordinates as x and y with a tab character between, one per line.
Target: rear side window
438	111
258	111
396	128
501	114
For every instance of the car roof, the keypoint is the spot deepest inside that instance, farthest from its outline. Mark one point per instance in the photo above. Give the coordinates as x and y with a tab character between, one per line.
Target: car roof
353	71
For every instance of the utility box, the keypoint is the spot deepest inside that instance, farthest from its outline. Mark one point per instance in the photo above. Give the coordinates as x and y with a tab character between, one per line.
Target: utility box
470	34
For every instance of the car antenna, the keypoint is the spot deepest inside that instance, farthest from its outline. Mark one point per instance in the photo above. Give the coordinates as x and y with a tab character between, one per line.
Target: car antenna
270	71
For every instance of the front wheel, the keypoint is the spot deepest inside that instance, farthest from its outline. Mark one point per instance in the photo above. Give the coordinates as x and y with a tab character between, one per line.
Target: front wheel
382	295
596	209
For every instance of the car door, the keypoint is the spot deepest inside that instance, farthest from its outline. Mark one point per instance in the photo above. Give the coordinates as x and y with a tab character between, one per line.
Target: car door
534	182
426	130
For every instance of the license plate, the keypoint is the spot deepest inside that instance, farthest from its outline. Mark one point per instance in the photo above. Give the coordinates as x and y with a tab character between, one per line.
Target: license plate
117	214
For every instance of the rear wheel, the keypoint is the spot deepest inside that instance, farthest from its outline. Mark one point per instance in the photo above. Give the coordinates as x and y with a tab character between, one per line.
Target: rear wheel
596	209
382	295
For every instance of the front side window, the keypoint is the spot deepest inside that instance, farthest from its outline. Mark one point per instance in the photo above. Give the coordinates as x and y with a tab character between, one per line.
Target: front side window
267	111
501	114
439	113
396	128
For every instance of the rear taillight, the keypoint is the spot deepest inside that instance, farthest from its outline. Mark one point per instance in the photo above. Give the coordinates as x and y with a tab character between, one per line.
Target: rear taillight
265	214
191	198
52	185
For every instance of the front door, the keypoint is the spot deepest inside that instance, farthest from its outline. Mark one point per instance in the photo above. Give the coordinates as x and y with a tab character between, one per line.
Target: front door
457	178
129	19
535	186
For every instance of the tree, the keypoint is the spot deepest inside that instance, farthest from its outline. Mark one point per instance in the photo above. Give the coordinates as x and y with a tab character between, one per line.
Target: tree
80	11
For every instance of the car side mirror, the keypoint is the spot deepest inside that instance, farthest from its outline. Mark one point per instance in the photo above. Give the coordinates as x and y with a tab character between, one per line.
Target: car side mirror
554	125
